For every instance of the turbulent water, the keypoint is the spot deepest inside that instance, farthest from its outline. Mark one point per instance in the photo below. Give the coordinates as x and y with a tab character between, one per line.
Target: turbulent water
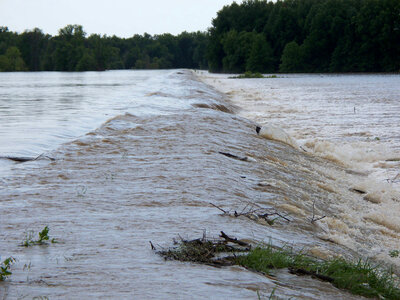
351	119
131	157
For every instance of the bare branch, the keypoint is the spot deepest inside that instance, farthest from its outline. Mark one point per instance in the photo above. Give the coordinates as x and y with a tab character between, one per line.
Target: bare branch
152	246
313	219
224	211
254	212
233	240
317	219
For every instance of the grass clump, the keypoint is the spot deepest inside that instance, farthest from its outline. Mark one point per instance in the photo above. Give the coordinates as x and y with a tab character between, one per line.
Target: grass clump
42	240
265	259
5	268
359	278
253	75
248	74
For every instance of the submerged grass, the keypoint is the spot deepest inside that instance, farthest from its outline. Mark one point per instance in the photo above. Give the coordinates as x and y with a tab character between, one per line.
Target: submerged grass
43	237
248	75
5	268
359	278
252	75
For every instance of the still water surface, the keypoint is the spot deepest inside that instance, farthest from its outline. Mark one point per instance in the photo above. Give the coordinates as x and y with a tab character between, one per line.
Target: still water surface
137	159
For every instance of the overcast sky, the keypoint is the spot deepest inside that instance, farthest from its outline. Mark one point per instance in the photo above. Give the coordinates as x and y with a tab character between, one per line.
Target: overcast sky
123	18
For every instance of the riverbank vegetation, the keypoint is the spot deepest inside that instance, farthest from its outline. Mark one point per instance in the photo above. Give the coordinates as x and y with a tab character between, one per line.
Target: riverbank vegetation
306	36
359	278
255	36
5	268
43	237
248	74
73	50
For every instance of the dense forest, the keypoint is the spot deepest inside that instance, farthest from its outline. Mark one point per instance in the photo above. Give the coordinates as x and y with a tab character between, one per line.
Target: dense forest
72	50
256	36
306	36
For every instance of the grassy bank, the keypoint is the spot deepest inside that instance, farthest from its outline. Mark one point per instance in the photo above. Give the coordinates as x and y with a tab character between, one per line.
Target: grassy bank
359	278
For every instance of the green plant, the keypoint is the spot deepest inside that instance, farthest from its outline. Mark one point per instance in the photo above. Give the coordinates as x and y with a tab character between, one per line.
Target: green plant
258	295
43	237
248	75
5	268
360	278
394	253
265	259
271	296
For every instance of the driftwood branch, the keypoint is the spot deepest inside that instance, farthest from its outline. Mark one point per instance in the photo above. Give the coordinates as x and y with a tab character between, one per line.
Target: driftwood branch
313	219
274	214
233	240
152	246
299	271
242	158
19	158
22	159
394	179
355	190
224	211
255	212
232	156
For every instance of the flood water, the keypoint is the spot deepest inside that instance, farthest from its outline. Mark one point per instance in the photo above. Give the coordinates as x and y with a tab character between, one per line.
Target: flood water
132	157
351	119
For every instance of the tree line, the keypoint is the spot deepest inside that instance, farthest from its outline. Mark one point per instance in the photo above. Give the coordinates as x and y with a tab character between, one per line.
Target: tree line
255	36
72	50
306	36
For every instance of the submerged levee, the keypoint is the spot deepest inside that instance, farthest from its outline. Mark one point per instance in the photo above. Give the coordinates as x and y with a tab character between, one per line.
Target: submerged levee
141	178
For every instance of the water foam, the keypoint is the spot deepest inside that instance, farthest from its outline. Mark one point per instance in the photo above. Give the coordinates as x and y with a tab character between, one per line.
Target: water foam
359	193
277	134
340	118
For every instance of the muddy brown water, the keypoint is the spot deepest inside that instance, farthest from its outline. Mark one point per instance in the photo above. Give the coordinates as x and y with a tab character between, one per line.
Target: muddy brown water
140	178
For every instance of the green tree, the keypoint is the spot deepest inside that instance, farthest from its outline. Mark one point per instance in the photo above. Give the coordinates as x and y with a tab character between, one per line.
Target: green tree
143	62
114	60
131	57
261	56
87	62
12	61
215	51
98	46
7	39
199	55
70	47
292	59
33	45
237	48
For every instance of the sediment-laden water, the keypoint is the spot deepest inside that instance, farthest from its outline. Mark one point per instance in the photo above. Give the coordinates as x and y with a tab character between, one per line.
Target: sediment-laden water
351	119
135	157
